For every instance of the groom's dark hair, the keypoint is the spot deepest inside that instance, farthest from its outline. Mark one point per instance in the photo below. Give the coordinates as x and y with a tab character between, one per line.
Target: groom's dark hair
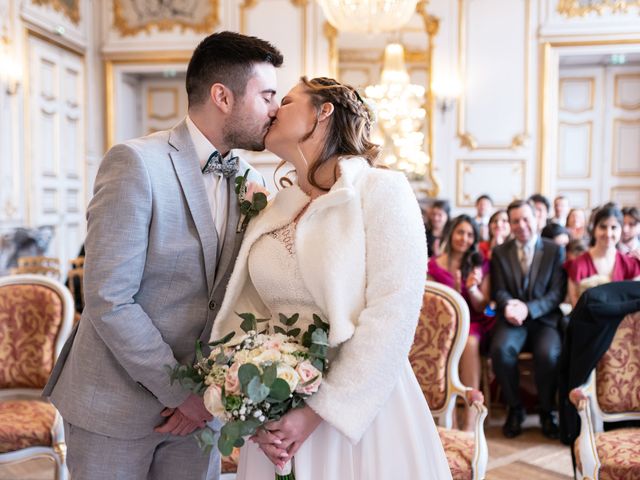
227	58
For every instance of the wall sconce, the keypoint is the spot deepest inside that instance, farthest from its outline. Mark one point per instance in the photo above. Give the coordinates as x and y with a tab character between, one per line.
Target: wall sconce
446	91
10	68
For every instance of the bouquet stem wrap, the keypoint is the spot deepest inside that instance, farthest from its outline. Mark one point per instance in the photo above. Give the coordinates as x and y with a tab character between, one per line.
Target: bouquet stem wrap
286	472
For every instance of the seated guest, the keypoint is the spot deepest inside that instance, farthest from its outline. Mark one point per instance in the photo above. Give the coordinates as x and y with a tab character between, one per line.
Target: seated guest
560	210
577	224
541	207
602	263
499	231
461	267
528	285
436	227
556	233
484	208
630	240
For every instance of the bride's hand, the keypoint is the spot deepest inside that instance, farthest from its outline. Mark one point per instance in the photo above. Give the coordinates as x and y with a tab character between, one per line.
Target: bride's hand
294	428
270	444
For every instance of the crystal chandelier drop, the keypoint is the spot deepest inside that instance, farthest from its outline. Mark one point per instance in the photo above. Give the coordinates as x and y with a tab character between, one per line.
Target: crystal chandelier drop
368	16
400	115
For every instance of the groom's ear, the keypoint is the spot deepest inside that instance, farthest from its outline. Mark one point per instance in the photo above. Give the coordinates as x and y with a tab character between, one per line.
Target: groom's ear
222	97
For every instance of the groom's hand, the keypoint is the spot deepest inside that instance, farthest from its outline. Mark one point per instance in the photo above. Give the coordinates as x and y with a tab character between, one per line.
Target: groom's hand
185	419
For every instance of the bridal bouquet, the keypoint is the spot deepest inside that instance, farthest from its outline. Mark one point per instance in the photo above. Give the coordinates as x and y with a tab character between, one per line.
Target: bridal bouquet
256	378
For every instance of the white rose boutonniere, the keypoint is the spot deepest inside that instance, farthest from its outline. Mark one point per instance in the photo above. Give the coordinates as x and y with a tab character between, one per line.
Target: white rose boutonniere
252	198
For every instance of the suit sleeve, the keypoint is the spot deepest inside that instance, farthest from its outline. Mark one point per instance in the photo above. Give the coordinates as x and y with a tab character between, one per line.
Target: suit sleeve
556	289
119	216
499	290
366	370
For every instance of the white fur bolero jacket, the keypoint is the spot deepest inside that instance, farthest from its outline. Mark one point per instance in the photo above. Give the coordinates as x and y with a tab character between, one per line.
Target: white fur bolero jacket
362	254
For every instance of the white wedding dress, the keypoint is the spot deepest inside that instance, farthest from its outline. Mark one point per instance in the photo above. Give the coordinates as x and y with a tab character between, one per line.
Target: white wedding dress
401	443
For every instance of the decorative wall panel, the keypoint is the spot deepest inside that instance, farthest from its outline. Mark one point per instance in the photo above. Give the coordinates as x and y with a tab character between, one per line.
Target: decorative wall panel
477	177
627	91
576	94
626	148
575	147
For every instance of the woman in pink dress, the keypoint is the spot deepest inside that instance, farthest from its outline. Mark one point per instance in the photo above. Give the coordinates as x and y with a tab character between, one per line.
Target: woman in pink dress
602	262
461	267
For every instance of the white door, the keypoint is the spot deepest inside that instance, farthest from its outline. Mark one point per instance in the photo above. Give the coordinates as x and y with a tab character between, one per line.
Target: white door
164	103
56	145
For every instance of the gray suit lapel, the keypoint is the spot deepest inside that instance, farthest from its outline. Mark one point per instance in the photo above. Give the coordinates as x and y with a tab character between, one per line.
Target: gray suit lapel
535	265
232	240
187	167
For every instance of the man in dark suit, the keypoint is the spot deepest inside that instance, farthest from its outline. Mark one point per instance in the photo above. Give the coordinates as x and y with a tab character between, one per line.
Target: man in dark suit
528	284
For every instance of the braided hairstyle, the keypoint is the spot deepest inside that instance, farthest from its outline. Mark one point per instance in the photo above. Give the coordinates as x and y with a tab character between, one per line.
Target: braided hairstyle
350	124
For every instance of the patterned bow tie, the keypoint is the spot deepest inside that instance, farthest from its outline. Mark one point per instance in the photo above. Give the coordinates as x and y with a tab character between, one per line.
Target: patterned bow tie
222	166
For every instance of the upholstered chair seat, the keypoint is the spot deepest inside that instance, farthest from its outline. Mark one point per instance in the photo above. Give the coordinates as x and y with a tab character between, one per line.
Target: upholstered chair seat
25	423
440	338
36	314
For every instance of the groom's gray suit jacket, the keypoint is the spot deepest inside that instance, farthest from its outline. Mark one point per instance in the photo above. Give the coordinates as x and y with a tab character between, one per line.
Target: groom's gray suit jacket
153	285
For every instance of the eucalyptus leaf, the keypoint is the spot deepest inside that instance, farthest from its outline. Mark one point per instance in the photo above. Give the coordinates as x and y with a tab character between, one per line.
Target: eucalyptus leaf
256	390
279	330
248	322
249	427
223	340
317	321
259	200
269	374
294	332
246	373
279	390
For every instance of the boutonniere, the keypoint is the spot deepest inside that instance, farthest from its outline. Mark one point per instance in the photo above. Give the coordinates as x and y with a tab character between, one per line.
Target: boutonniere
252	198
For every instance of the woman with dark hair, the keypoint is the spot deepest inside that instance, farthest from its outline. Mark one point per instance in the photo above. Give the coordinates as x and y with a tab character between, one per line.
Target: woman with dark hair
602	262
499	231
463	268
630	240
345	241
438	215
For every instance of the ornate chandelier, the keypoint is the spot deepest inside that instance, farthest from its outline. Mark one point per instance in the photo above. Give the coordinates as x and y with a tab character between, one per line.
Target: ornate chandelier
401	115
370	16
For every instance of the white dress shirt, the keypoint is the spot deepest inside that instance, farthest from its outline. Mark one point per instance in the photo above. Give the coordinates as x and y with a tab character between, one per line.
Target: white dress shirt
215	185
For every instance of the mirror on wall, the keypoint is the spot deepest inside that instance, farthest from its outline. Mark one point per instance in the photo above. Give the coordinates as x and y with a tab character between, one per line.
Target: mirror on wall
404	111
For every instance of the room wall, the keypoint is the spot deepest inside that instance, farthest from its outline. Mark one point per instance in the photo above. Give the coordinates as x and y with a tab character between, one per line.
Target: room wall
491	142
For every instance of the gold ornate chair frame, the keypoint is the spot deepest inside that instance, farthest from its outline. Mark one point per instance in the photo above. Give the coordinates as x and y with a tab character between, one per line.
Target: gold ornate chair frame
57	450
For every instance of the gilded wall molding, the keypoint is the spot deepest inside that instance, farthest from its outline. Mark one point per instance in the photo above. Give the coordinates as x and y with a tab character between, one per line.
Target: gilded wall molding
151	113
202	19
465	166
618	102
573	8
69	8
615	154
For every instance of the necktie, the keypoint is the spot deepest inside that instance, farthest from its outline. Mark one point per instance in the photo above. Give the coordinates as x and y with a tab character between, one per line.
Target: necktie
221	166
525	258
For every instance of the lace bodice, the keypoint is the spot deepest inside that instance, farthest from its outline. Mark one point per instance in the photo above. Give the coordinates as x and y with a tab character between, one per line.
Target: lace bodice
274	271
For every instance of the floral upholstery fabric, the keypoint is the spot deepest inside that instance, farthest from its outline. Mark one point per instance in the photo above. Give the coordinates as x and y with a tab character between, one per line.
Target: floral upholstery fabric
25	423
619	454
617	373
30	317
459	449
431	347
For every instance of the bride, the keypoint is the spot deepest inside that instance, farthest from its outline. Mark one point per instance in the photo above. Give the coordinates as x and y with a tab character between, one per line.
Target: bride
346	242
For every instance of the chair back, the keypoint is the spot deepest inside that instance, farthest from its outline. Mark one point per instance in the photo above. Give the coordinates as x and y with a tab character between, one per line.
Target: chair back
36	314
617	372
440	338
48	266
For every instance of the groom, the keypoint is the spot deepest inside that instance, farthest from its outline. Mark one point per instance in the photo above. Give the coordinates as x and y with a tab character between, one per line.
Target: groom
159	251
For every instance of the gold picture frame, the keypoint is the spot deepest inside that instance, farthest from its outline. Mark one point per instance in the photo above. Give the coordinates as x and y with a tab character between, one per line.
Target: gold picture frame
70	8
574	8
131	17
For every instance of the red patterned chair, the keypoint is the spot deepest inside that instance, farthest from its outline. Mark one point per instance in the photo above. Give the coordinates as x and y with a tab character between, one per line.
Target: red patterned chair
612	394
440	338
36	314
